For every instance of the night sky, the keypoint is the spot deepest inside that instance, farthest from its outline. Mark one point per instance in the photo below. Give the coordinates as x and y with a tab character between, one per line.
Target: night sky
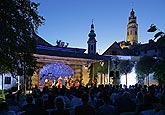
70	20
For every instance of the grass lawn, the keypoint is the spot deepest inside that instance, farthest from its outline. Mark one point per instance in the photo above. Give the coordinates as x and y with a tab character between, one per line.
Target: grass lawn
2	95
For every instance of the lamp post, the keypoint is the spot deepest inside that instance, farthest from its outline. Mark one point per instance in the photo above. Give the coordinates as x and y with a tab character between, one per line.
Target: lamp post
160	36
102	64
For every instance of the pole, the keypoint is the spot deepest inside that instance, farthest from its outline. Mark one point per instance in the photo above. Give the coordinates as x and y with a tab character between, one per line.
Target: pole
93	72
2	87
126	80
109	70
24	73
148	80
18	82
104	79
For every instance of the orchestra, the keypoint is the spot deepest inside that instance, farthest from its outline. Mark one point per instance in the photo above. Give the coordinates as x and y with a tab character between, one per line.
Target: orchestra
67	82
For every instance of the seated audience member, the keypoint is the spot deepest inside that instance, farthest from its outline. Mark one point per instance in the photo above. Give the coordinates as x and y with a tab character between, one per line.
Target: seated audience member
39	107
99	100
4	109
76	99
125	104
107	108
49	104
146	105
60	109
162	100
85	108
12	103
62	94
139	98
29	107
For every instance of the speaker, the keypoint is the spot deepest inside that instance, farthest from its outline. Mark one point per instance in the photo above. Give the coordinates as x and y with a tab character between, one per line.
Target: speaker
20	71
117	74
111	73
30	71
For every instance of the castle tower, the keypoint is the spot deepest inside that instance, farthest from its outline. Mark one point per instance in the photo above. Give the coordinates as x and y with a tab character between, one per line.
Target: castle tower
92	41
132	29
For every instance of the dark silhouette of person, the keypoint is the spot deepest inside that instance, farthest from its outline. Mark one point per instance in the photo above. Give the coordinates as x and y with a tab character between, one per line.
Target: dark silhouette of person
85	108
60	109
30	106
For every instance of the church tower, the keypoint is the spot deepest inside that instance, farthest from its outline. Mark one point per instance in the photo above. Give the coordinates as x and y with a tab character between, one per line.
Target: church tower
132	29
92	41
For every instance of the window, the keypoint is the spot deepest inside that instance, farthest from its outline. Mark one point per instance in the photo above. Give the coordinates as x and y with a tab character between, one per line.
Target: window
131	32
7	80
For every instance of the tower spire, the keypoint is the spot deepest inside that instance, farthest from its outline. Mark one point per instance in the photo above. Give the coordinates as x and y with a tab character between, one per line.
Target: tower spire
92	26
132	28
92	41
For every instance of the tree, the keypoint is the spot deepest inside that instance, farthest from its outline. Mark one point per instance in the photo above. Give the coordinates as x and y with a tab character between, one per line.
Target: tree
97	67
159	67
19	21
125	67
93	71
159	71
145	66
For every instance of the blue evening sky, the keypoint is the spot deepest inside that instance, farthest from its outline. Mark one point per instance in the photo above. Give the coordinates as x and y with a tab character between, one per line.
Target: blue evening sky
70	20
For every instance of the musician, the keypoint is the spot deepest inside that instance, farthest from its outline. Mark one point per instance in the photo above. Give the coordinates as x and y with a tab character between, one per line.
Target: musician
66	81
59	84
54	83
71	82
46	83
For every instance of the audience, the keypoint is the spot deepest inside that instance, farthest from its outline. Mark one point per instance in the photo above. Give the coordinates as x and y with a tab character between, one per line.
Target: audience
101	100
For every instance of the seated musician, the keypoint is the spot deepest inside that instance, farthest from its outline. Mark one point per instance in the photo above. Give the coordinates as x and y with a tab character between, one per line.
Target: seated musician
59	84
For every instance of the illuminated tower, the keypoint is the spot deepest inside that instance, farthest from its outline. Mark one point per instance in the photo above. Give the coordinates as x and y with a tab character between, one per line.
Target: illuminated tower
92	41
132	29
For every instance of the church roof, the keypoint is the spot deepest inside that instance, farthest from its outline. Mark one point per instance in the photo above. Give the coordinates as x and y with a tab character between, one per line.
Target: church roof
67	53
44	48
133	50
64	49
41	41
114	49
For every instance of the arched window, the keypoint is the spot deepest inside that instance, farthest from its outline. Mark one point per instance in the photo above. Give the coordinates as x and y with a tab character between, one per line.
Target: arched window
130	32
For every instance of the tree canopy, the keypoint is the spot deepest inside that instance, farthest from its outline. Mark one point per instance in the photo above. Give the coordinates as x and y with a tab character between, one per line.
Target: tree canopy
145	65
125	67
19	20
159	71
